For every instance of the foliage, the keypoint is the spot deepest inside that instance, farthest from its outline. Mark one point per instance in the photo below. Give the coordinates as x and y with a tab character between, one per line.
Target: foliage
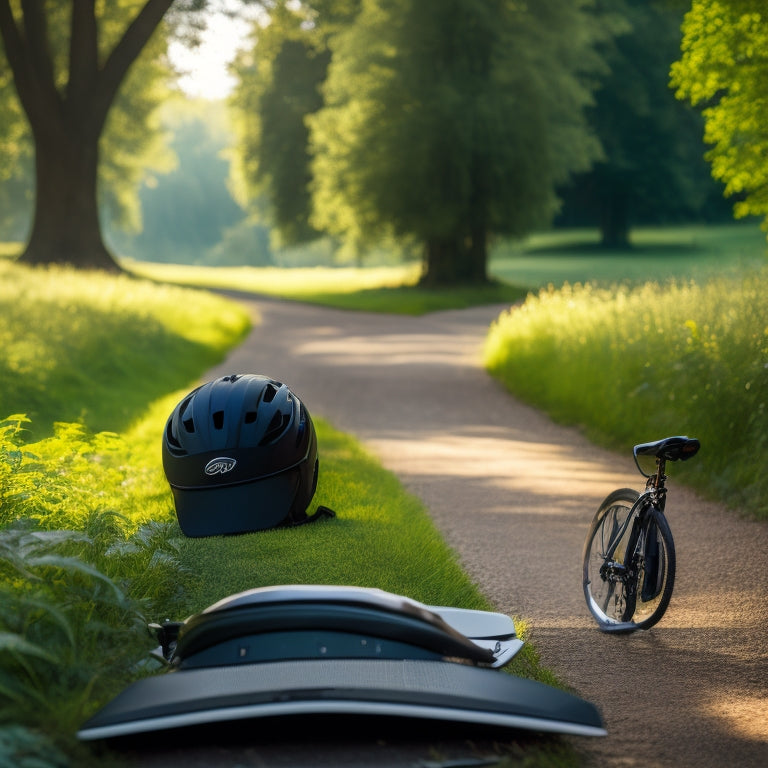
77	577
653	169
447	121
96	348
74	600
186	209
69	61
22	747
278	85
132	144
16	168
636	364
135	144
89	548
723	70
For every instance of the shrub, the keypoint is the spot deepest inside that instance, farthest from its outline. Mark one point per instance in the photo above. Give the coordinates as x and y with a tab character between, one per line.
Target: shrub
78	579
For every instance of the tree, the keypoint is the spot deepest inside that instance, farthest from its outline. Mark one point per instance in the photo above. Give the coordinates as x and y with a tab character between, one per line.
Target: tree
16	168
653	168
68	64
186	209
448	120
723	69
279	83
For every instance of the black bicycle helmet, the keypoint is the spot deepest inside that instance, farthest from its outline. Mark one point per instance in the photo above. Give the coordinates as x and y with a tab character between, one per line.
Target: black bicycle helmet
240	454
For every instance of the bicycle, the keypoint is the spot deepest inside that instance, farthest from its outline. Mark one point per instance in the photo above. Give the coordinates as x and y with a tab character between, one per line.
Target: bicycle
629	554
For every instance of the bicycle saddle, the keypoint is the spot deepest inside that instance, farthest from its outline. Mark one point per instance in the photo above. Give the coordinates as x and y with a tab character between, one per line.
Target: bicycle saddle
305	621
670	448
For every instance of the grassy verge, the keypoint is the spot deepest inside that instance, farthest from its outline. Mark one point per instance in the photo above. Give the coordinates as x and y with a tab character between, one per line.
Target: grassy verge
89	547
656	254
96	348
377	289
636	364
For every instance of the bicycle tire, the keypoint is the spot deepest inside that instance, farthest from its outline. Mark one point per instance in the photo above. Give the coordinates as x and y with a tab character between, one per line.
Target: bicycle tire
613	595
651	601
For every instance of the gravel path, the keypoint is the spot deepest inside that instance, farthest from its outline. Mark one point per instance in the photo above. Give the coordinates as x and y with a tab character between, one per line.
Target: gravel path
513	494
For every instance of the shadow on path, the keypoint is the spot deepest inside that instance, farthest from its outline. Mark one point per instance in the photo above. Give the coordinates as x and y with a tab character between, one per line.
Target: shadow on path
513	494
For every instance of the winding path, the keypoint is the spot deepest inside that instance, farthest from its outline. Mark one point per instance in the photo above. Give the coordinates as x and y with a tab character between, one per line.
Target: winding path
513	494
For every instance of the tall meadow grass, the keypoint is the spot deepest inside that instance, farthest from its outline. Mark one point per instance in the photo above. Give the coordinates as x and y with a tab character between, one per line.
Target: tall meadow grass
636	364
94	348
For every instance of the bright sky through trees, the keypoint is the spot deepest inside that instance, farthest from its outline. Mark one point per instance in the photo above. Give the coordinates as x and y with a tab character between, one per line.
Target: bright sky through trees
204	69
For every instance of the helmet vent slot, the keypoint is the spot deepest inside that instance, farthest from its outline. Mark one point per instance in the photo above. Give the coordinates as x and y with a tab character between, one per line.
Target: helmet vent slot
171	438
250	417
275	428
189	425
269	393
218	419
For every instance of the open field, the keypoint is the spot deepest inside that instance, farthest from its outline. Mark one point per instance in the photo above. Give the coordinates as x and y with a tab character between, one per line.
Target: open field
658	254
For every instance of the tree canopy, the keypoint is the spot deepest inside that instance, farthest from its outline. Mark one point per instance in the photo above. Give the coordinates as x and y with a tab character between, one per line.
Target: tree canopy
278	86
723	69
653	167
445	121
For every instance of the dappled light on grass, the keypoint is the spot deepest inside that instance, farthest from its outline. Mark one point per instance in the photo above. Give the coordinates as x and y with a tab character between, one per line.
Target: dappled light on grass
656	253
81	345
392	289
293	283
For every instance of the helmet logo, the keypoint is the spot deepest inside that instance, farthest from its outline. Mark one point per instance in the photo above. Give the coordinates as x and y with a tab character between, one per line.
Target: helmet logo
220	466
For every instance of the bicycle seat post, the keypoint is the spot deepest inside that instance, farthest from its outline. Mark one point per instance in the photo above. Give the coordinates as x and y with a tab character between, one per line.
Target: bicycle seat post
656	482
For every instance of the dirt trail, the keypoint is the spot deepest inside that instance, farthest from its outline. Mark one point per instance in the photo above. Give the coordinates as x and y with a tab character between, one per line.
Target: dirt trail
513	494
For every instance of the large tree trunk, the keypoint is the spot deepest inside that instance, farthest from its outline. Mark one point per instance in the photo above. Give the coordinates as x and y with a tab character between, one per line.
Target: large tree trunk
454	262
614	219
66	227
477	256
67	121
442	263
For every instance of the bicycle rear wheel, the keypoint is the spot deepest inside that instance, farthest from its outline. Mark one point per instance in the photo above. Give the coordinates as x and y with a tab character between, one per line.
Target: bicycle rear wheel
628	567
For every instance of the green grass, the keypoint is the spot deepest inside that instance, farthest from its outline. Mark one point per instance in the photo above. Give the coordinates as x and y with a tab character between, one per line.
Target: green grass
556	257
636	364
657	254
376	289
74	604
95	348
10	250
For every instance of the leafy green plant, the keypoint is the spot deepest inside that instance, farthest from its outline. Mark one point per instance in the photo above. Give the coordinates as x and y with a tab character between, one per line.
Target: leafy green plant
63	638
74	601
22	747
